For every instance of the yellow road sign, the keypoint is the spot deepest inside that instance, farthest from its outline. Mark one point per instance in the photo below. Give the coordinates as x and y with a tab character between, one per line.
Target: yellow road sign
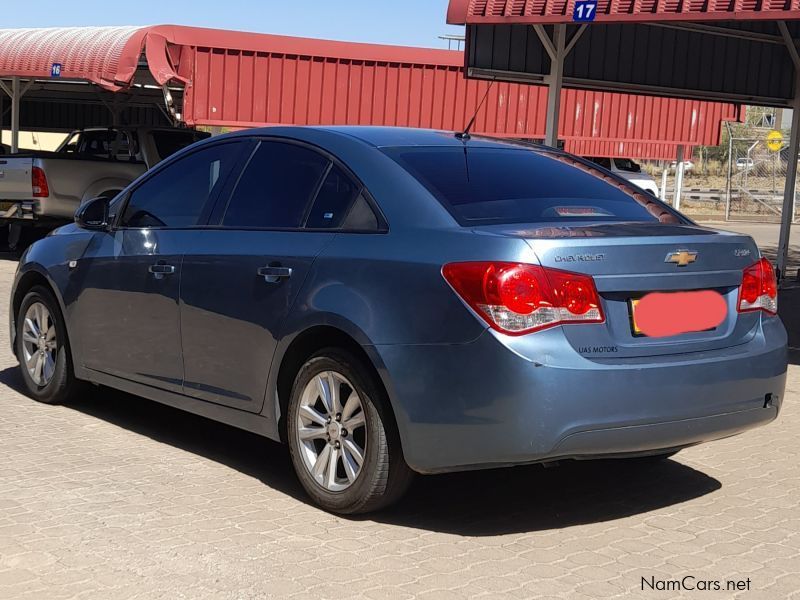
774	140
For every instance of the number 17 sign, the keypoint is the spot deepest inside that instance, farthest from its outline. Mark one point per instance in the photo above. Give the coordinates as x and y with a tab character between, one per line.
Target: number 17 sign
584	11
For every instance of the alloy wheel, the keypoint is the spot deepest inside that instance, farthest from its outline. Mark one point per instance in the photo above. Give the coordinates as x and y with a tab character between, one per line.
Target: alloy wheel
39	344
331	431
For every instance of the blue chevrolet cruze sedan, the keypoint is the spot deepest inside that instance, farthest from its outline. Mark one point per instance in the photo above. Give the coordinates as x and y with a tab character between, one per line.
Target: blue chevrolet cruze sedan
395	301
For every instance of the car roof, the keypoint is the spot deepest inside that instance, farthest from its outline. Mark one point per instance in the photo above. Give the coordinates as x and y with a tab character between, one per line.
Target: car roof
393	136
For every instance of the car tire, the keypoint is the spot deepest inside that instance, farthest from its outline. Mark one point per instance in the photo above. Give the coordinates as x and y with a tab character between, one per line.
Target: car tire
322	440
55	382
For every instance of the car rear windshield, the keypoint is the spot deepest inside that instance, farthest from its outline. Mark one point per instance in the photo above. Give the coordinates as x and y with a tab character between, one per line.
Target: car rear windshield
508	185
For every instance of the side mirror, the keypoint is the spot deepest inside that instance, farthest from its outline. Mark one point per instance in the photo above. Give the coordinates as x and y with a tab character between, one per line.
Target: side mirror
93	214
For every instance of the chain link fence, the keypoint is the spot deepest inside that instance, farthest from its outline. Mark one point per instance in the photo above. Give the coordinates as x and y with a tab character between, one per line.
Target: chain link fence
756	179
748	186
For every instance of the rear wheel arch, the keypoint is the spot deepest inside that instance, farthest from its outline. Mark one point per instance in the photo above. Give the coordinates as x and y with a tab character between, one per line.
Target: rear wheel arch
308	343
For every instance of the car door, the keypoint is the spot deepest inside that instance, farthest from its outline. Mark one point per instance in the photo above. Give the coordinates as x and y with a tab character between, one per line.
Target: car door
127	315
241	278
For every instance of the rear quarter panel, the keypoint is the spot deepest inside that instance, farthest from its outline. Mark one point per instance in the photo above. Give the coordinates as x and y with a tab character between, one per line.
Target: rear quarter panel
387	290
390	287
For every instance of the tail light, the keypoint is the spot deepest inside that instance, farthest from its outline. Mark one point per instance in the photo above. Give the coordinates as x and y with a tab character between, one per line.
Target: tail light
39	183
517	298
759	289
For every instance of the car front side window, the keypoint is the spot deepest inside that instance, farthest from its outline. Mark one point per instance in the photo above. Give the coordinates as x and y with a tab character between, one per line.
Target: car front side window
176	195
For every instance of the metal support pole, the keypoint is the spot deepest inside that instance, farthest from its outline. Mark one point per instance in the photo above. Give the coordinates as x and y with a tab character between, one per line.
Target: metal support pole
749	162
791	165
15	96
664	183
676	201
789	188
728	182
557	49
555	82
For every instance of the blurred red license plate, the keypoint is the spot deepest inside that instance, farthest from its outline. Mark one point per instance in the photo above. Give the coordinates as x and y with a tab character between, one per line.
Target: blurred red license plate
663	314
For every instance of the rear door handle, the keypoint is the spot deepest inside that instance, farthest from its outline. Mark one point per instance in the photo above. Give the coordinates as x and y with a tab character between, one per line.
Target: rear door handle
161	269
274	274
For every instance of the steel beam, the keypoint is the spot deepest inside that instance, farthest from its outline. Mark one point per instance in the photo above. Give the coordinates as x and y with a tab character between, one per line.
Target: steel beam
676	201
610	86
716	30
541	32
555	84
15	97
16	92
7	90
557	49
790	45
787	213
728	182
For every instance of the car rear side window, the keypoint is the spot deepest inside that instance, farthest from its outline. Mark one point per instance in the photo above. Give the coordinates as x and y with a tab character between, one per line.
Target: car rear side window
509	185
333	201
361	216
276	187
177	194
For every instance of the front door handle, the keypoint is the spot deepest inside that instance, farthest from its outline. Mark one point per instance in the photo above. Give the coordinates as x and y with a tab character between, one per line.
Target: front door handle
274	274
160	270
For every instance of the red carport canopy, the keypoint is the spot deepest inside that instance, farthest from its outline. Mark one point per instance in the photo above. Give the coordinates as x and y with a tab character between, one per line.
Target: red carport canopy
234	79
725	50
106	56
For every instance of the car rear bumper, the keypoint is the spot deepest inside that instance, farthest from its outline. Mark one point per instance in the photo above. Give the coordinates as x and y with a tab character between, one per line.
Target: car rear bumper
480	404
639	439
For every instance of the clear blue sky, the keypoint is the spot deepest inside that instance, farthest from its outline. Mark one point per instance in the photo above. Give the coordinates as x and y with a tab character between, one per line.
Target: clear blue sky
406	22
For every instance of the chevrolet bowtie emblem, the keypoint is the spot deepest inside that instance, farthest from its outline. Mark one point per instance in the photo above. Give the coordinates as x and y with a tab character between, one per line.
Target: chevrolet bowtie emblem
681	257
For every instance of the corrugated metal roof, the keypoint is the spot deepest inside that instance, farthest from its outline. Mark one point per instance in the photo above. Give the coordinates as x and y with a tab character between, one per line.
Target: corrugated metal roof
241	79
106	56
462	12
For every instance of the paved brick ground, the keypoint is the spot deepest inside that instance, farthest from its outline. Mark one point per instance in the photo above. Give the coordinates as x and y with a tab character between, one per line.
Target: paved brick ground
117	497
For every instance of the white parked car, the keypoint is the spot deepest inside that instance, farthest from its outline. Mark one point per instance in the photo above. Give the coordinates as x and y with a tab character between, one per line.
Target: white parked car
744	163
625	167
687	165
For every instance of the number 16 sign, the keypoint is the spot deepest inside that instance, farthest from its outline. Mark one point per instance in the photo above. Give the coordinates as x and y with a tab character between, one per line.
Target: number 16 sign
584	11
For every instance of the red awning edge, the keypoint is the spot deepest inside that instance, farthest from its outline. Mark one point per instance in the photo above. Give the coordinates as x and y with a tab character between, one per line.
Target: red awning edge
464	12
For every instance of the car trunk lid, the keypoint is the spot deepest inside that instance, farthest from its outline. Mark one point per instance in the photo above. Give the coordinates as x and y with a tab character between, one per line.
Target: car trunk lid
629	260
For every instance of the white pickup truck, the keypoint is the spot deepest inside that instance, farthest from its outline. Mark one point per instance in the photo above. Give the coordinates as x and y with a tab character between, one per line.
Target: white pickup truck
46	188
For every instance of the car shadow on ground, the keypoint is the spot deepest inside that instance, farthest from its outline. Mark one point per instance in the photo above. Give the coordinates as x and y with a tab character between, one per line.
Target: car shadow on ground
477	503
